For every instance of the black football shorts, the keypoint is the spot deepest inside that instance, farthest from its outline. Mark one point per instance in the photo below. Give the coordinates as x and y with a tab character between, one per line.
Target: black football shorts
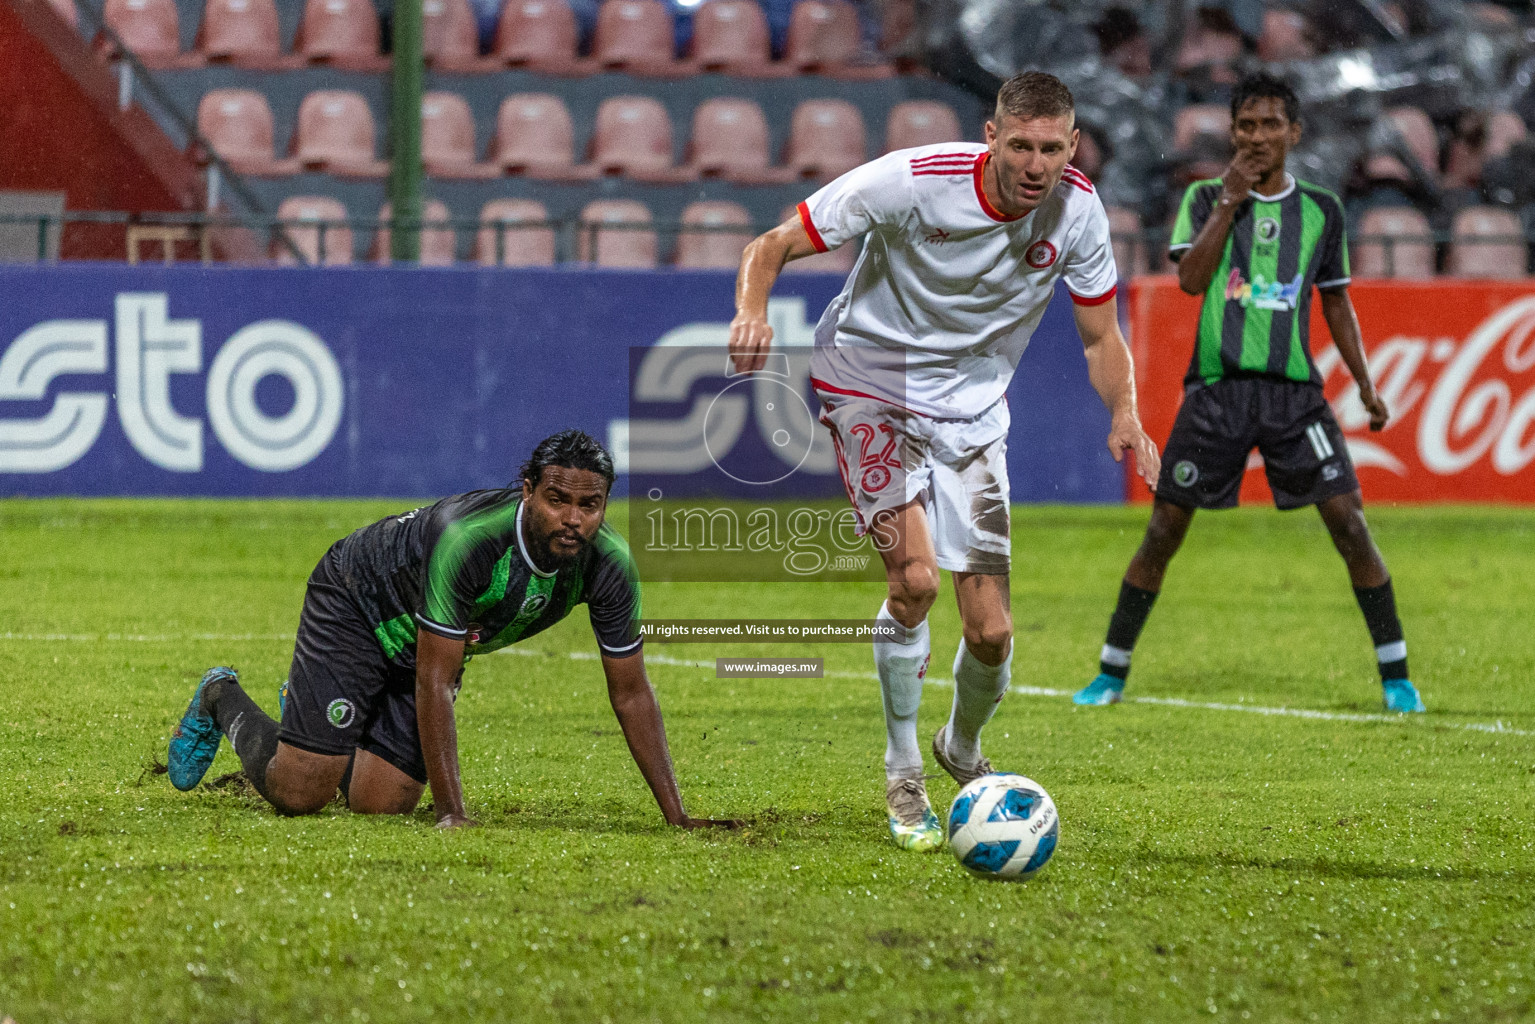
1304	454
343	694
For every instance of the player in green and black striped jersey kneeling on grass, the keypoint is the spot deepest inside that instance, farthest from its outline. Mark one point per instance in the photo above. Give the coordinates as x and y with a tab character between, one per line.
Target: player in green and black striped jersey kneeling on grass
1254	243
391	616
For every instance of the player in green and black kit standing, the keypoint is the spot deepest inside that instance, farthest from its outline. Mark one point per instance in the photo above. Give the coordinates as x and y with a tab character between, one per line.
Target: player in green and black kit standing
1254	243
394	611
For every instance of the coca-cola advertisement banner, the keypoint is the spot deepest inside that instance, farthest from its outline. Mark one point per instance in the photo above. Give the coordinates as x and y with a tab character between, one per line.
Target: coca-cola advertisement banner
1455	362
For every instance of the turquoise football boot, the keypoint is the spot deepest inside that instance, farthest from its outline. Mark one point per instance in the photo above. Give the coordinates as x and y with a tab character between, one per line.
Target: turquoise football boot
1105	689
196	738
1402	696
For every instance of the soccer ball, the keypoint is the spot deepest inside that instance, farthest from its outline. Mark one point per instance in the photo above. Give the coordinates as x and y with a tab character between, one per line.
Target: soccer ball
1003	826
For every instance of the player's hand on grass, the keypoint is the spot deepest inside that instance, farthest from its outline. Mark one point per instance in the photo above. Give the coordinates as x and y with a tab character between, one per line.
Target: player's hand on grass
750	337
1126	435
448	821
1375	406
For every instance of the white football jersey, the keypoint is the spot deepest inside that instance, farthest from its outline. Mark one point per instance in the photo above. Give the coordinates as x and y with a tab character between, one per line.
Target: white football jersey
948	290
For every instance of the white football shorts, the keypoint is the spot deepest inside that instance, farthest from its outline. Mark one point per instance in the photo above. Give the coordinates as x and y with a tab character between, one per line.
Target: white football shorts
889	456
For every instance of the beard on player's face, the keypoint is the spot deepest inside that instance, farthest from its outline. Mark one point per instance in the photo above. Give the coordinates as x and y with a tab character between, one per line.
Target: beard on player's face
564	512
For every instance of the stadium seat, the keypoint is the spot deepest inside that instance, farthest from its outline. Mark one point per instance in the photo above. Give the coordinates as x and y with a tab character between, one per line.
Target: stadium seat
1419	134
447	139
730	37
1200	119
519	246
824	40
826	138
450	37
601	240
636	36
707	241
244	33
1487	241
151	29
633	137
1393	241
534	137
438	245
343	33
730	140
921	123
1504	128
337	240
66	9
1129	246
838	261
238	124
335	134
539	35
1285	36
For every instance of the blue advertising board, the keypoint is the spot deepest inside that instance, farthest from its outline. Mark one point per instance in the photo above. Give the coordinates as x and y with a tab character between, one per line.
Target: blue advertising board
410	383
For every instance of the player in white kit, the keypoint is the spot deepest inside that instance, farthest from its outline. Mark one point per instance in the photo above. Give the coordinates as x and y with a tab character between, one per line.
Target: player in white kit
964	245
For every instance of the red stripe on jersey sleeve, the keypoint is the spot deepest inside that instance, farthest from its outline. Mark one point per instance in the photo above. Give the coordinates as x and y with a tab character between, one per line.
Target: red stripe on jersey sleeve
815	236
1083	300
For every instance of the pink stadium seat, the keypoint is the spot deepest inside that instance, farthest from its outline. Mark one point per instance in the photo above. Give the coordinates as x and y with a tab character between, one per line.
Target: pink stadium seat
713	235
238	123
838	261
66	10
341	32
438	244
337	239
1129	247
826	138
151	29
539	35
1504	128
730	140
921	123
633	137
244	33
1488	242
824	40
635	36
447	139
534	137
1394	241
519	245
335	134
1284	36
1200	119
450	37
1419	134
730	37
601	240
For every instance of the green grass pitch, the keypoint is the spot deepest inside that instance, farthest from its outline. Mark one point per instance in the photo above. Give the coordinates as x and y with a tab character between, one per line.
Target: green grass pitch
1213	863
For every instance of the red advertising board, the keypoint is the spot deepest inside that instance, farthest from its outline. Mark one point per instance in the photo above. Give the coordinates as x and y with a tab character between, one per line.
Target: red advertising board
1455	362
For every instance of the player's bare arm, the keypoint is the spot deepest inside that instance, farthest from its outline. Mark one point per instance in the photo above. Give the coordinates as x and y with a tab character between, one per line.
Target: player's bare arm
1198	264
1343	323
1112	372
761	263
438	661
634	703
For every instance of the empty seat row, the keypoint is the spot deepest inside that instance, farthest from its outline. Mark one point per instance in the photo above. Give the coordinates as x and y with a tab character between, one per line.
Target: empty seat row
1396	241
519	233
634	36
534	136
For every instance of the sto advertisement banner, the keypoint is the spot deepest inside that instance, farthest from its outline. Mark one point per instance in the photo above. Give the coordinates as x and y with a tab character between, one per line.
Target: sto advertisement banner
418	382
1454	361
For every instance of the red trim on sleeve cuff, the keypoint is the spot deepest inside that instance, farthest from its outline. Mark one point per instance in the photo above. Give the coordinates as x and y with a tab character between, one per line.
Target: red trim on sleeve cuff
815	236
1083	300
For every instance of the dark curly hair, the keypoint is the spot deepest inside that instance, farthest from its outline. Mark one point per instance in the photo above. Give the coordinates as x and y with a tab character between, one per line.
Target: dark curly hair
569	449
1262	86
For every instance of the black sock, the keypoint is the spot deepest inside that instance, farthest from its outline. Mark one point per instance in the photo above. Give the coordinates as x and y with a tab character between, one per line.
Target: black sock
1379	607
251	731
1125	628
346	779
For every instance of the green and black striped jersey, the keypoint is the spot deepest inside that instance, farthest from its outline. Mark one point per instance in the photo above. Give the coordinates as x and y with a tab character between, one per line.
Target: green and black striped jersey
1256	313
460	568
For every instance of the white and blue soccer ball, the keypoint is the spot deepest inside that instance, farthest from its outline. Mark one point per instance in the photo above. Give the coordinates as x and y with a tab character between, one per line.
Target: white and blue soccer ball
1003	826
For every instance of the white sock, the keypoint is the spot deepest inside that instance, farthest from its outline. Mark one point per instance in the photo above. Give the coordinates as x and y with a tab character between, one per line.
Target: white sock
978	688
901	664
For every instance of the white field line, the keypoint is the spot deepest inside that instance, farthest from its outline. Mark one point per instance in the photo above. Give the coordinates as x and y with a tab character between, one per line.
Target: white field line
665	659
